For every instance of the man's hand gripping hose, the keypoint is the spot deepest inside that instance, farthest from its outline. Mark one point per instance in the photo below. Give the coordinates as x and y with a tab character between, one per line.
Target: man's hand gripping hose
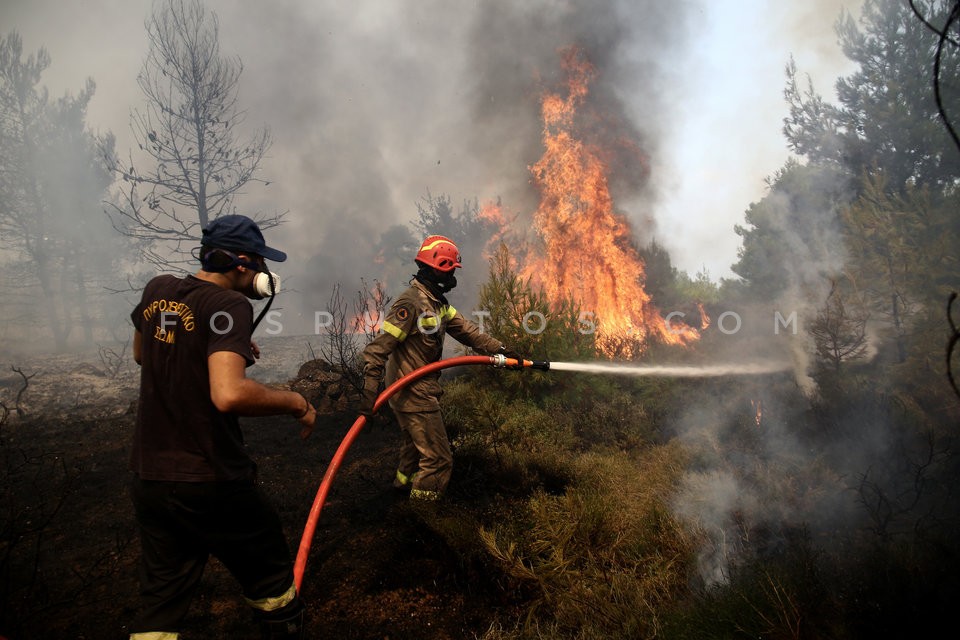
498	360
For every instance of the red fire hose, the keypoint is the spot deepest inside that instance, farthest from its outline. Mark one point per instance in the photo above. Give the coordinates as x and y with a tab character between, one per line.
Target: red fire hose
307	539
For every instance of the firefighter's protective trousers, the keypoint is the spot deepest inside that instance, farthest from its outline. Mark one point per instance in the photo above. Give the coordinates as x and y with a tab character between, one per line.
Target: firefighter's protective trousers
425	457
412	337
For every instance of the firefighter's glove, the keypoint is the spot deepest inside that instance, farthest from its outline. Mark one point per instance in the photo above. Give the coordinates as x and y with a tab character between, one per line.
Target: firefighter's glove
507	352
368	396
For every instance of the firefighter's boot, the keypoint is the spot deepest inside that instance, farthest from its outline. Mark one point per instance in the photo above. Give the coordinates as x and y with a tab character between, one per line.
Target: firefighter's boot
286	623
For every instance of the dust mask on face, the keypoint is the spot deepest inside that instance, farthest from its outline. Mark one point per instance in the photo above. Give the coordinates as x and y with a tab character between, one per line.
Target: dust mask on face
262	285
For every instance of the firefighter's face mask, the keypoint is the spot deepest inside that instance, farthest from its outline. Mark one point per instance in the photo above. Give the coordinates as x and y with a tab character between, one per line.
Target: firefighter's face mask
443	280
447	280
265	284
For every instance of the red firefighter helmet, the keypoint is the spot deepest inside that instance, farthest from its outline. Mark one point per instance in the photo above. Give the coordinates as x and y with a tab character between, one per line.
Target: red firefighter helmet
440	253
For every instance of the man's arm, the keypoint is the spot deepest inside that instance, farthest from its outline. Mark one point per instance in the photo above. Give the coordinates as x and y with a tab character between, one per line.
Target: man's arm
375	356
233	392
137	346
468	333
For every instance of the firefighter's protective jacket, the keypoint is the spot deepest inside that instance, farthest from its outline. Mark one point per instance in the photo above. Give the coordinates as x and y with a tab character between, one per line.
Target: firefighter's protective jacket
412	337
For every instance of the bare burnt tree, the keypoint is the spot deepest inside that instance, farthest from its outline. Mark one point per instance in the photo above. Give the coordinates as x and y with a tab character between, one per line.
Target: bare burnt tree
944	38
4	409
905	497
952	343
113	361
189	129
346	334
370	306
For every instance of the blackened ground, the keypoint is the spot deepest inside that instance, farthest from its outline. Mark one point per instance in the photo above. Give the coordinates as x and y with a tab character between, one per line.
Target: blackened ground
377	569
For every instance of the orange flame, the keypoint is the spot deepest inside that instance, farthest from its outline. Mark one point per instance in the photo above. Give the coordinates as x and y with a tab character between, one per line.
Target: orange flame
493	216
704	317
757	410
587	252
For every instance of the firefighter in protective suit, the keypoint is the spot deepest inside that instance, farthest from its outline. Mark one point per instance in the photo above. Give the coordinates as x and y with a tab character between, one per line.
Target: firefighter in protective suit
412	337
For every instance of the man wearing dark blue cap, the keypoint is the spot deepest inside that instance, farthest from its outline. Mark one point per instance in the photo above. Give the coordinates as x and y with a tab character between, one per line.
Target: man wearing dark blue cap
194	486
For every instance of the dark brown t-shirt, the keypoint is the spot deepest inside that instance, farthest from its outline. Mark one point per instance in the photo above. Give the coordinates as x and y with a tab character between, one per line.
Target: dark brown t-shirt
180	434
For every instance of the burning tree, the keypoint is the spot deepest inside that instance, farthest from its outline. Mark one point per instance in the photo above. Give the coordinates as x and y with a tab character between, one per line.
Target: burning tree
586	251
189	129
524	317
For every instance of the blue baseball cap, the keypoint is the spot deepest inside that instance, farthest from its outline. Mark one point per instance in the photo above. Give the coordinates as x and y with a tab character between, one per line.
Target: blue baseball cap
239	233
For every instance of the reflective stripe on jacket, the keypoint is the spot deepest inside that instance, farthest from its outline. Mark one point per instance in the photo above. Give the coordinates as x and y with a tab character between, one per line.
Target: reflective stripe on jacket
412	337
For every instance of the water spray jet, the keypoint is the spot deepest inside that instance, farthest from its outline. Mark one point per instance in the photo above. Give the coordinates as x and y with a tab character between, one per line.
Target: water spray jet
673	371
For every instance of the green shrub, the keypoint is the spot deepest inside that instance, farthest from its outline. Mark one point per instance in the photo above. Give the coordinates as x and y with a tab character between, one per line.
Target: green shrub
509	300
502	446
478	415
604	417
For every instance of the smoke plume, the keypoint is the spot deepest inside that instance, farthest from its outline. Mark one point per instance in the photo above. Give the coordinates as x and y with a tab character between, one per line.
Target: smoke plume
372	108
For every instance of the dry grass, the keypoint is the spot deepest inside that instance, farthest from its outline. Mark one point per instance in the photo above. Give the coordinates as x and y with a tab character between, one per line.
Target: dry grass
605	557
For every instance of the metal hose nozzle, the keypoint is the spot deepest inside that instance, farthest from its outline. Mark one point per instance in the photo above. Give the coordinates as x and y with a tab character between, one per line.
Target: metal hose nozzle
500	360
